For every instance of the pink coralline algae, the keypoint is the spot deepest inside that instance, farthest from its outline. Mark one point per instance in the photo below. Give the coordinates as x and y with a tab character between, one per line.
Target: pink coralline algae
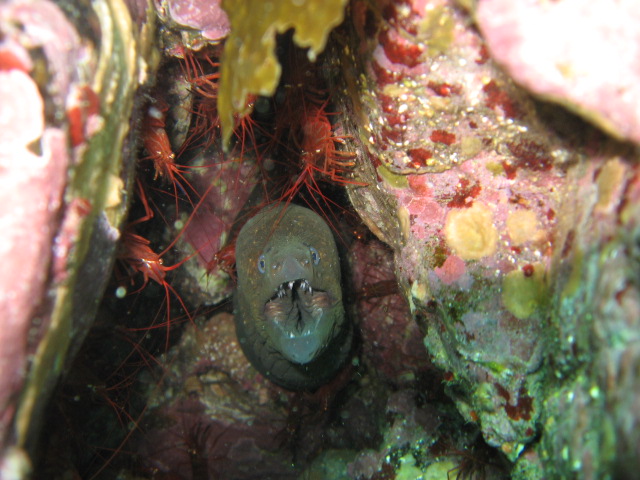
474	178
208	18
223	188
452	270
431	109
31	194
210	226
199	22
582	55
60	44
21	120
48	70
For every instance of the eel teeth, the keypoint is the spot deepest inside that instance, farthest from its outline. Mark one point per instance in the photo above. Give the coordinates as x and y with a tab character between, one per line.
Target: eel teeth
286	287
305	286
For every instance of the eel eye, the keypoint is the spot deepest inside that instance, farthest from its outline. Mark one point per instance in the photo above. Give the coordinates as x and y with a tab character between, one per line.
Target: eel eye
262	264
315	256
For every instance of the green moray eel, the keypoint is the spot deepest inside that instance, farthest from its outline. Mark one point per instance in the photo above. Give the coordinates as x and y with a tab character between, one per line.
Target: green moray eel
289	316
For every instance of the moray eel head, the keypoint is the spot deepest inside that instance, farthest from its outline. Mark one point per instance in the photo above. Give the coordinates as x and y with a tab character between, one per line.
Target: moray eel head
289	315
298	319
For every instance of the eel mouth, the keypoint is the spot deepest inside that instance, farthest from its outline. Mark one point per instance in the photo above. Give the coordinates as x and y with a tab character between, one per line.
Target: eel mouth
298	320
296	304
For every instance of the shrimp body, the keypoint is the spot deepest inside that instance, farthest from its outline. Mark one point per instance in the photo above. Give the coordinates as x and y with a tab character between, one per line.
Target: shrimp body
156	142
225	259
319	152
138	255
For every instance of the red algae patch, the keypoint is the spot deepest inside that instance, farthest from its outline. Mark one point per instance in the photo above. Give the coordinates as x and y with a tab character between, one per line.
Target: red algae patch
442	136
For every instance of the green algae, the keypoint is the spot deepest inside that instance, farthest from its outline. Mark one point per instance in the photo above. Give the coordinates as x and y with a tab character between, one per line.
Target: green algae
496	368
438	29
408	469
522	295
439	470
393	179
249	65
470	147
330	464
573	284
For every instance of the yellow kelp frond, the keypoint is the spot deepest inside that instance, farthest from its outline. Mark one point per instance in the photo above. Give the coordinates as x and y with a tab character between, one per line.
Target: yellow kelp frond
249	65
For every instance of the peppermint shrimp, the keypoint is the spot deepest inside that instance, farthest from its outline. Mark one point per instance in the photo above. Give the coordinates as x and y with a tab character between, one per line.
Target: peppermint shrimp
136	253
156	142
319	152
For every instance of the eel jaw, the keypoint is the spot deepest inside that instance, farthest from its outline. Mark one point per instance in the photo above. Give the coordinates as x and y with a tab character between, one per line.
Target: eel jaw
299	320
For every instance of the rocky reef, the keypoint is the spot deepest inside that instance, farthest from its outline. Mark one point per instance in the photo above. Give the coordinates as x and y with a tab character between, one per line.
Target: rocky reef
477	162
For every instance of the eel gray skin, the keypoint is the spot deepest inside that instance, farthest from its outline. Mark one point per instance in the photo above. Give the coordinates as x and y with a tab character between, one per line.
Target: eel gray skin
289	316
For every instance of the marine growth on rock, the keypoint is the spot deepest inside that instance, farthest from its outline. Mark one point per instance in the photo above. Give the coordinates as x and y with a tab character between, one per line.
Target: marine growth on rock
319	239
